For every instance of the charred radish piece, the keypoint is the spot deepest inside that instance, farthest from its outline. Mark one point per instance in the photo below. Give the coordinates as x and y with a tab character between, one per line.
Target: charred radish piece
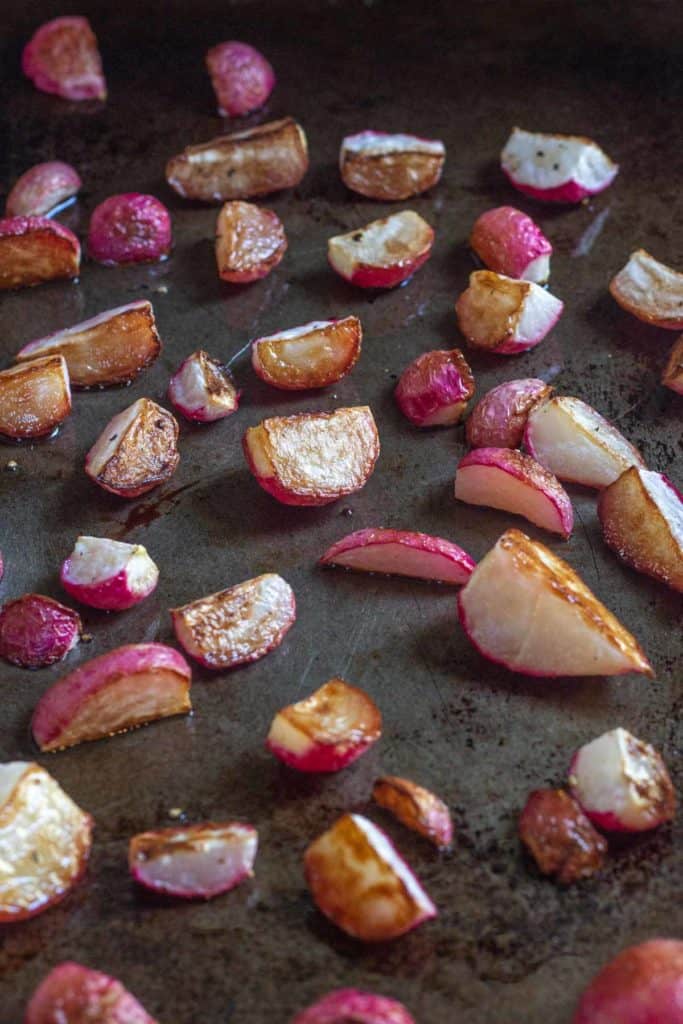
435	389
650	290
107	574
499	419
673	374
250	242
622	783
559	837
241	77
136	451
45	841
36	631
250	163
34	399
401	553
384	253
508	480
62	58
642	985
416	808
120	690
313	458
197	862
111	348
501	315
312	356
41	189
556	168
73	994
508	242
348	1004
327	731
238	625
129	228
526	609
34	250
202	389
390	167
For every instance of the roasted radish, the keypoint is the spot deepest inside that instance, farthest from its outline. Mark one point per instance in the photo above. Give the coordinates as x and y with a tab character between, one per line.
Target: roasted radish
40	189
36	631
501	315
383	166
401	553
556	168
34	250
415	807
250	242
510	243
435	389
650	290
559	836
62	58
499	419
348	1004
642	985
73	994
129	228
34	398
136	451
202	389
241	77
312	356
107	574
673	374
383	253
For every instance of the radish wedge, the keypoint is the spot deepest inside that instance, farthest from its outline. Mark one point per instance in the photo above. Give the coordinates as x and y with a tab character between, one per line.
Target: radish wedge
499	419
435	389
42	188
401	553
556	168
34	399
642	985
34	250
559	836
36	631
250	242
125	688
650	290
129	228
241	77
501	315
508	242
526	609
136	451
107	574
384	253
347	1005
390	167
202	389
416	808
314	355
673	374
73	994
62	58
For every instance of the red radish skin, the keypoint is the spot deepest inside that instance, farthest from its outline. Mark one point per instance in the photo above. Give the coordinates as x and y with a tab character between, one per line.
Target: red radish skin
242	78
129	228
401	553
202	389
314	355
556	168
250	242
650	291
34	399
508	242
73	994
136	451
559	837
347	1005
499	419
499	314
108	574
36	631
40	189
416	808
390	167
672	377
34	250
641	985
384	253
435	389
62	58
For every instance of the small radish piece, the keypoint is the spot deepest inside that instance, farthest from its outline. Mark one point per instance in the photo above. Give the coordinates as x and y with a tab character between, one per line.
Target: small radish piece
650	290
346	1005
576	443
196	862
499	419
401	553
34	398
416	808
36	631
241	77
250	242
622	783
384	253
136	451
238	625
45	841
62	58
526	609
129	228
559	836
120	690
435	389
73	994
113	347
514	482
642	985
313	458
501	315
390	167
328	730
556	168
361	883
510	243
34	250
107	574
254	162
673	374
202	389
314	355
41	189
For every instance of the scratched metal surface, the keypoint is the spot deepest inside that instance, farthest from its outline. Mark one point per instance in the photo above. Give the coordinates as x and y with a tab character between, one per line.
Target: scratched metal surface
507	945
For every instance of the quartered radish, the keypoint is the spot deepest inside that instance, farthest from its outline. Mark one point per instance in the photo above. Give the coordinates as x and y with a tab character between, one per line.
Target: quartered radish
62	58
673	373
435	389
73	994
559	837
499	314
642	985
390	167
34	250
202	389
241	76
556	168
34	398
401	553
250	242
136	451
384	253
108	574
349	1005
510	243
499	418
129	228
415	807
36	631
314	355
650	290
40	189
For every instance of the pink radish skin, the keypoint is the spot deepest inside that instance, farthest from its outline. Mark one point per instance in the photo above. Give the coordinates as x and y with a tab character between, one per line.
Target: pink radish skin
202	389
506	316
556	168
435	389
383	253
73	994
107	574
36	249
642	985
650	291
129	228
499	419
401	553
62	58
41	189
510	243
36	631
348	1004
241	77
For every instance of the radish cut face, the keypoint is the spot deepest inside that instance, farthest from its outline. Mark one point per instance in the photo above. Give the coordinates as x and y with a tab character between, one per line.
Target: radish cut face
250	242
416	808
36	249
401	553
508	242
499	419
390	167
72	994
556	168
559	836
202	389
650	290
35	398
136	451
241	77
40	189
435	389
312	356
62	58
108	574
505	316
383	253
349	1005
642	985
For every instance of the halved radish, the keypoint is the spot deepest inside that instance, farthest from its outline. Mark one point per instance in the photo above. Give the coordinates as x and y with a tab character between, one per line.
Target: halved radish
499	419
673	373
107	574
559	836
36	249
390	167
642	985
501	315
202	389
136	451
73	994
250	242
62	58
435	389
349	1005
241	77
526	609
383	253
650	290
314	355
129	228
556	168
509	242
35	398
416	807
401	553
36	631
40	189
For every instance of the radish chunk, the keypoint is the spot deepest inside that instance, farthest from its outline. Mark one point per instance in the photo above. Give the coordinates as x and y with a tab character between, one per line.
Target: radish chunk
129	228
359	880
508	480
348	1004
498	314
435	389
559	836
250	242
389	167
313	458
510	243
526	609
642	985
136	451
36	249
416	808
312	356
673	374
401	553
576	443
197	862
642	521
45	841
499	419
62	58
383	253
254	162
107	574
113	347
36	631
72	994
202	389
650	290
41	189
238	625
241	77
126	687
327	731
622	783
556	168
34	399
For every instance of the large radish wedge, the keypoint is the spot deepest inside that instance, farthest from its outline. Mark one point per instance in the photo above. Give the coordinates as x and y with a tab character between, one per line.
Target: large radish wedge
359	880
73	994
36	249
35	398
416	808
202	389
62	58
313	458
350	1005
577	444
435	388
642	985
499	314
383	253
514	482
238	625
108	574
110	348
390	167
559	836
650	290
127	687
556	168
194	862
314	355
326	731
45	841
401	553
499	418
642	521
41	189
136	451
509	242
673	372
36	631
526	609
